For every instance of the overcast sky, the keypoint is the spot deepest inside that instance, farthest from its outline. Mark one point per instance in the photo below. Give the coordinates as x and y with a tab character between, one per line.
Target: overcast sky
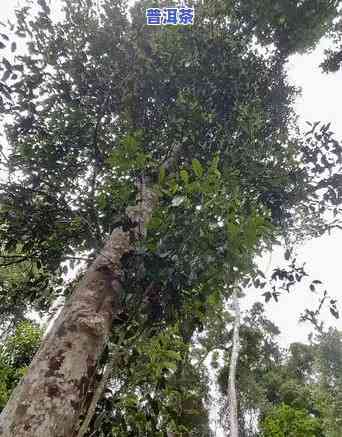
320	100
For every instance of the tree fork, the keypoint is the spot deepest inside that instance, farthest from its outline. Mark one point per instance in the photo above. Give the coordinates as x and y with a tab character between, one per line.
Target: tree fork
49	399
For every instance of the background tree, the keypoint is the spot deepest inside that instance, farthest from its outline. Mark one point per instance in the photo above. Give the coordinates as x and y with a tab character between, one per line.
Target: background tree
16	353
292	26
282	391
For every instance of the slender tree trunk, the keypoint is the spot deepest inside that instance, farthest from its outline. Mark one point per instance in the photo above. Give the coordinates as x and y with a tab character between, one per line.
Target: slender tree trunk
232	398
49	399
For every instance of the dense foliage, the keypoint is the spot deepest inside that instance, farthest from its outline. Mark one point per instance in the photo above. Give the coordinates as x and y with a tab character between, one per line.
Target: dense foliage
94	106
285	392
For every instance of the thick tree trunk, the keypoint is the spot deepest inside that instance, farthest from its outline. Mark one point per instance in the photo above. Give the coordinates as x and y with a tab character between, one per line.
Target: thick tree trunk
49	399
233	408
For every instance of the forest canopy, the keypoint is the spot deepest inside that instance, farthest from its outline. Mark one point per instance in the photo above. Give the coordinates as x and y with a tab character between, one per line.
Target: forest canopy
144	170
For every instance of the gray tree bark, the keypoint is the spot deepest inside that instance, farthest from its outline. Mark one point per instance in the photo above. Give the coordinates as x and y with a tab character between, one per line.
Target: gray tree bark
232	398
49	399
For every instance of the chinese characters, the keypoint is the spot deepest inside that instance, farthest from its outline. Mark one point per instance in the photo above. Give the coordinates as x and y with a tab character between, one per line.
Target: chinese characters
170	16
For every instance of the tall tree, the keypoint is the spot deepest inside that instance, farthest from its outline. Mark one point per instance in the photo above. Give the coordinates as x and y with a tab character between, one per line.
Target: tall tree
172	145
292	26
232	392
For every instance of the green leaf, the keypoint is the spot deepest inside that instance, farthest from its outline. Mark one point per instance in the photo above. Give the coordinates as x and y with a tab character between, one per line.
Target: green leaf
197	167
173	355
215	162
6	75
184	176
334	312
161	175
168	365
267	296
7	64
